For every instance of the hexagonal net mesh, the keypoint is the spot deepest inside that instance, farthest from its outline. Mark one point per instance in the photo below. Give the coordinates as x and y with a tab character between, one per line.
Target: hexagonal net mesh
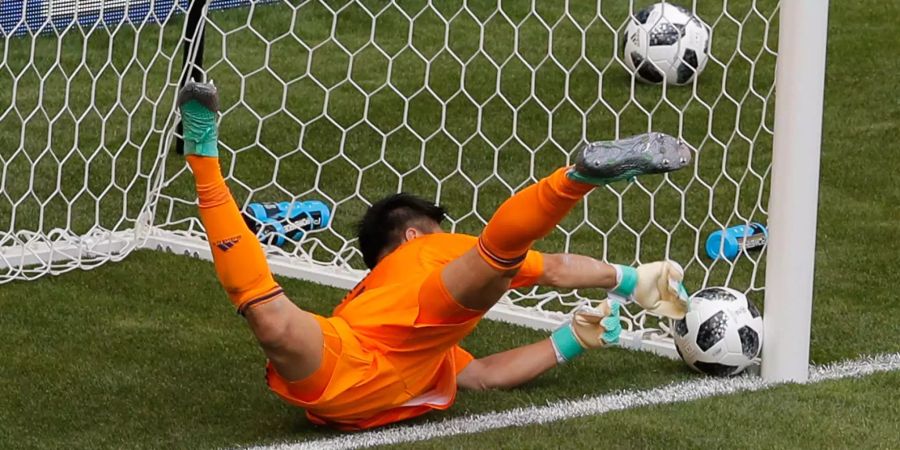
84	104
344	102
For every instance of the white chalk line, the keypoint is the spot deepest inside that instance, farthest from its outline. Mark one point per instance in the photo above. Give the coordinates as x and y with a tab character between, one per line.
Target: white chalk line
673	393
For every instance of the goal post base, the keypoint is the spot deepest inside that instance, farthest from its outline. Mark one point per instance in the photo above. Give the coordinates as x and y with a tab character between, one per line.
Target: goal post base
279	264
29	256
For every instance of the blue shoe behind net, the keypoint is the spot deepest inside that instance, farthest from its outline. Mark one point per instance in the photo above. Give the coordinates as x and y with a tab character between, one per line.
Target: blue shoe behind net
277	223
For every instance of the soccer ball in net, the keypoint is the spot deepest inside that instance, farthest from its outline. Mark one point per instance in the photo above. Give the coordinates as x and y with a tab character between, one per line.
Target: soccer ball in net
721	334
665	42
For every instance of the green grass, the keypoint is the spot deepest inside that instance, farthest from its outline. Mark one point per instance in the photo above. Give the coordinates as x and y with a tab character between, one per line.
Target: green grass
94	360
147	353
833	414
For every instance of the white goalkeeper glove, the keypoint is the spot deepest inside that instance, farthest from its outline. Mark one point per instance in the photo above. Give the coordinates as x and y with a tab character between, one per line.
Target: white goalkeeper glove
589	328
656	286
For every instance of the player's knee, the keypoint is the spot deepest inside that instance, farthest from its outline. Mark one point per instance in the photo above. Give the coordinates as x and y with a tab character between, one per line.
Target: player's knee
506	266
272	331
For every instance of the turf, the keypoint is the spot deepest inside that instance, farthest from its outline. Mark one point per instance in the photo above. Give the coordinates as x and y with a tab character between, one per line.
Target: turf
833	414
147	352
91	360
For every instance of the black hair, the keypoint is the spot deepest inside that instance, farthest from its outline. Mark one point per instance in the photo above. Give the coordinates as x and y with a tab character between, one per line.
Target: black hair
384	223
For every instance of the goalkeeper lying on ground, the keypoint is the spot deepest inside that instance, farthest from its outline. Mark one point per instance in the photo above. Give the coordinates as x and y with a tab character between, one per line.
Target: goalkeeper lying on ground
390	351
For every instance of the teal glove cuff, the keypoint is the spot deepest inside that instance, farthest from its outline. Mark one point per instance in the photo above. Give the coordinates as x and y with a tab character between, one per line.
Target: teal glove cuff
565	343
627	283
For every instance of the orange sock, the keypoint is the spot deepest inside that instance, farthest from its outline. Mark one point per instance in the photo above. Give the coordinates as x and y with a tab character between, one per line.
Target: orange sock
240	262
528	216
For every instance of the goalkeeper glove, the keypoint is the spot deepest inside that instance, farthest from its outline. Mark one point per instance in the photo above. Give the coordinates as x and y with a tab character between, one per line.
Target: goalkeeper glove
589	328
656	286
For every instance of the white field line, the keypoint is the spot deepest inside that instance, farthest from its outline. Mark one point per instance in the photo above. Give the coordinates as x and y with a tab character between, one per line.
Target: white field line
672	393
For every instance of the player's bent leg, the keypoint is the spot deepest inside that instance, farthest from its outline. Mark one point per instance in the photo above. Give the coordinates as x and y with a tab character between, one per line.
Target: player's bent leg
290	337
528	216
306	389
533	212
478	278
474	283
240	262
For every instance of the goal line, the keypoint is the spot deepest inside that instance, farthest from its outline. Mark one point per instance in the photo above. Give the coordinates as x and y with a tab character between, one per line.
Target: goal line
569	409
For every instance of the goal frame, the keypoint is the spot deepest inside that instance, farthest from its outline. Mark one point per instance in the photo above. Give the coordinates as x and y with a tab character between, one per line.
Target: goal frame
792	214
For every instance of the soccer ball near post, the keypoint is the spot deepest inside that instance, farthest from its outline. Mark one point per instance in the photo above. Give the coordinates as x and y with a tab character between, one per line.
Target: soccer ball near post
721	334
665	42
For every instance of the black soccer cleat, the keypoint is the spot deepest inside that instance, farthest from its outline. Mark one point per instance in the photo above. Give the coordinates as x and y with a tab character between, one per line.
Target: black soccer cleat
204	93
604	162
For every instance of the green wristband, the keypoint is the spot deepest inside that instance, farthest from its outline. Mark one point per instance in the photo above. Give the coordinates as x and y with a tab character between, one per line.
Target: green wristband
565	343
628	282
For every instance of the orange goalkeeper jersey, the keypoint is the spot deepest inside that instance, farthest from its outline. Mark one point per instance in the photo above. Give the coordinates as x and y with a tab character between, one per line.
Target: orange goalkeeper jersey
391	346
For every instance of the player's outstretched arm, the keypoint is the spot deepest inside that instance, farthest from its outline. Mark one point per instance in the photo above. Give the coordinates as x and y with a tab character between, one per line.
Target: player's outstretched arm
590	328
571	271
656	286
508	369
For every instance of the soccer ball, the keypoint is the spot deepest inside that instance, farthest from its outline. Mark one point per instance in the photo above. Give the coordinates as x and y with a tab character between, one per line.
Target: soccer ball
666	42
721	334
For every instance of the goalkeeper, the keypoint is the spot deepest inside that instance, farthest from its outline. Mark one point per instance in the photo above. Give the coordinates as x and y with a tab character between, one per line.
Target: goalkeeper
390	351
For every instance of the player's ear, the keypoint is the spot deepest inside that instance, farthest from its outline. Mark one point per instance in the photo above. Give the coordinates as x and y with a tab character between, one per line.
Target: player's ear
420	230
412	233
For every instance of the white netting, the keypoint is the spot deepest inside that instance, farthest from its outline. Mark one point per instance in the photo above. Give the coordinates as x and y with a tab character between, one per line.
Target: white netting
83	107
346	101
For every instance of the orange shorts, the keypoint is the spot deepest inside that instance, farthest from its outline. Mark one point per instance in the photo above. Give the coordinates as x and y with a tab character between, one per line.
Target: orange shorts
360	386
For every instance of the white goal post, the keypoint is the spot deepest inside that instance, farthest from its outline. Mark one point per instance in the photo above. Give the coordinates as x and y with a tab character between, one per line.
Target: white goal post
793	204
463	102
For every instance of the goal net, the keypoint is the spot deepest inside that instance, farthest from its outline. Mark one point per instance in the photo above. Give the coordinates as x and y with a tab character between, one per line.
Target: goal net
344	102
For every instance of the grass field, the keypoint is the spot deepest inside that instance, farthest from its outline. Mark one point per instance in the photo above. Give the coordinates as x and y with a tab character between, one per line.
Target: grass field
147	352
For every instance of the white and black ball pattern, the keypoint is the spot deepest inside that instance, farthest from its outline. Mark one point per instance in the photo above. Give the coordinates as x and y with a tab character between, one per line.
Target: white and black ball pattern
721	334
665	42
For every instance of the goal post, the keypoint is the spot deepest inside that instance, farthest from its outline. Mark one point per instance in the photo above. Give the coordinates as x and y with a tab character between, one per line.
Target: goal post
346	101
794	198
